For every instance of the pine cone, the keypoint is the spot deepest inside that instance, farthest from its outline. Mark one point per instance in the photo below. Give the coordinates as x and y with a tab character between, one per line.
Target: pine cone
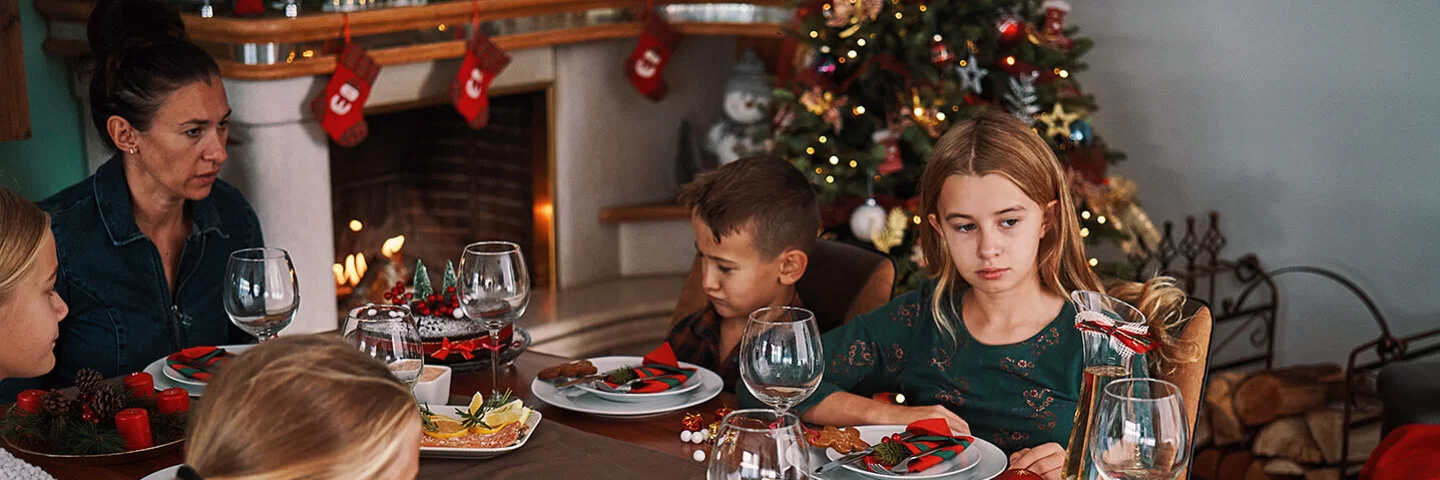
87	381
56	404
891	453
106	403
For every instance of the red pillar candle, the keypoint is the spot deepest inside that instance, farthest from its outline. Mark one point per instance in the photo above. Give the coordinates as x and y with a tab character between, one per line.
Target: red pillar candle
140	385
134	426
174	400
29	401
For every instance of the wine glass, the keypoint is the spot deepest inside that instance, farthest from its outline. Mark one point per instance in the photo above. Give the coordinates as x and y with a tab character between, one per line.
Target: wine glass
781	359
759	444
261	291
494	290
1142	433
388	333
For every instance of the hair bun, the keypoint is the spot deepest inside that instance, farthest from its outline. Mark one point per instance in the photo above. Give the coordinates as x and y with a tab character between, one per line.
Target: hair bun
117	25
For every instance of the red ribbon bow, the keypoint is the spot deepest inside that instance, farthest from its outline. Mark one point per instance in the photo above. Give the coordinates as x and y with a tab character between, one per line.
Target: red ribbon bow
1133	336
464	348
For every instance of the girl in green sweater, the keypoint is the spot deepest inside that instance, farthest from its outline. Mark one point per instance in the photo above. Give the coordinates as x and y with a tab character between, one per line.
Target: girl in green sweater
988	343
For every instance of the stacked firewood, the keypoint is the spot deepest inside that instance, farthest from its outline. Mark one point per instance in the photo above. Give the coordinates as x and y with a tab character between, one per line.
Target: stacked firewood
1280	424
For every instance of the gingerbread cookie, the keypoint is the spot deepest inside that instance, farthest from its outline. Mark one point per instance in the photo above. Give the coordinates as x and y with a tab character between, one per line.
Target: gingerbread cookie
568	370
843	440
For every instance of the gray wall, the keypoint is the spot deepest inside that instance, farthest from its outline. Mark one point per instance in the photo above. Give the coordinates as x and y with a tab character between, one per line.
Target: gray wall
615	147
1310	125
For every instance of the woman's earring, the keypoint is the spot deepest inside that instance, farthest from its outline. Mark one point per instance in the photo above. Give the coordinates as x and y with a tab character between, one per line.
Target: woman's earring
132	150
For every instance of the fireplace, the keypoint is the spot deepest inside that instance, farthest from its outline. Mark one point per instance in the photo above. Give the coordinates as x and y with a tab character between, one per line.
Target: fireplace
424	184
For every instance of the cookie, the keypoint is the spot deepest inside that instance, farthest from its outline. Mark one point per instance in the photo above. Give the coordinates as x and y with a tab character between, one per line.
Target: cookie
568	370
843	440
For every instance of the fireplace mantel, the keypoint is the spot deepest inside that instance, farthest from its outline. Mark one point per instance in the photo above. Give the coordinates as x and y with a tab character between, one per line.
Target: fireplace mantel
275	47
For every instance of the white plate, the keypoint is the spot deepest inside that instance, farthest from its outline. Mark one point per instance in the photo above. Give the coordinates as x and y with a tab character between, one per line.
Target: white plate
175	375
477	453
157	369
166	474
578	400
982	461
606	364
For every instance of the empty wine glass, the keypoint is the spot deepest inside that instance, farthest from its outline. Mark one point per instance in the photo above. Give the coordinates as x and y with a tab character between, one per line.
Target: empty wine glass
1142	433
494	290
261	291
388	333
781	359
759	444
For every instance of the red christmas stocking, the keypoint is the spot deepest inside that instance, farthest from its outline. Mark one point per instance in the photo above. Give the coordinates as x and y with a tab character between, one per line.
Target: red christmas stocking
646	64
340	108
483	61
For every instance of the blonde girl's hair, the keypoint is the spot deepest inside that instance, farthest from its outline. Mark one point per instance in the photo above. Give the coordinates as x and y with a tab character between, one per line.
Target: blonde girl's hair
301	407
996	143
23	227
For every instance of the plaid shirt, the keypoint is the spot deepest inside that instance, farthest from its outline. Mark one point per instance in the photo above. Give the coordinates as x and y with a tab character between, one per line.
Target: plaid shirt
696	339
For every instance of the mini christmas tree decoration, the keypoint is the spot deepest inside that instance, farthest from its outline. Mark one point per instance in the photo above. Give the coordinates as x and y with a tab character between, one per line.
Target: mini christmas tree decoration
1021	98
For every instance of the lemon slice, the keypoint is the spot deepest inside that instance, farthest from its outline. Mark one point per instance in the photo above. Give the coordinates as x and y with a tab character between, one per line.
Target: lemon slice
483	430
505	414
476	403
449	427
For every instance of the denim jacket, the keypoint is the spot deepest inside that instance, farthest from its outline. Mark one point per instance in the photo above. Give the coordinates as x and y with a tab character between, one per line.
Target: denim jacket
122	314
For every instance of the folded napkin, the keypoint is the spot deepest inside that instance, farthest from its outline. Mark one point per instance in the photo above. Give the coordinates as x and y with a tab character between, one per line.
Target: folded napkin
210	357
658	372
931	435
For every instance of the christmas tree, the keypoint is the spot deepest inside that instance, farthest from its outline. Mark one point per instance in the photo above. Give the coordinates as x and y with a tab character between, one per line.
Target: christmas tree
876	82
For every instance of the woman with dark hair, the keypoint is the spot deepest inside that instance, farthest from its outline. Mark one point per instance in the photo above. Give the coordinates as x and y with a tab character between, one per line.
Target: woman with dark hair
143	243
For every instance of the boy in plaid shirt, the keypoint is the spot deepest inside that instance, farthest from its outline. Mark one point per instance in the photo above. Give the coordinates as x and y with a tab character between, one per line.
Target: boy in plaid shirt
755	221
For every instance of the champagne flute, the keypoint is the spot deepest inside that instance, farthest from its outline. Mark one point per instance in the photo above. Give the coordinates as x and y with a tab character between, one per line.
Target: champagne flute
759	444
494	290
781	358
388	333
261	291
1142	433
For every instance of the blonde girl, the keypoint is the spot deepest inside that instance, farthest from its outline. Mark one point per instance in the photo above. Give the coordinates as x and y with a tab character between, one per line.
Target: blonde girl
304	407
988	342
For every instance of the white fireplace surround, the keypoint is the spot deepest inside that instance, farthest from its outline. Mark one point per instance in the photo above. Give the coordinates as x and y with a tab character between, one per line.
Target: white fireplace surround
611	147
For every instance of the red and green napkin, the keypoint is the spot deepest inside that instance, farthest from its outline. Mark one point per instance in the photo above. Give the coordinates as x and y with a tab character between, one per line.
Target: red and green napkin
184	361
931	435
658	372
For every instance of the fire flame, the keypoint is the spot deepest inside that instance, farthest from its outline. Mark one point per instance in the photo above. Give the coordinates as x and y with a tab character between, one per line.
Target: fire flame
348	274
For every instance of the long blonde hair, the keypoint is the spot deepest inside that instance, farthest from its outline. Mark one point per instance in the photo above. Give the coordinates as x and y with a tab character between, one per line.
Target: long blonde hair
994	142
307	406
23	227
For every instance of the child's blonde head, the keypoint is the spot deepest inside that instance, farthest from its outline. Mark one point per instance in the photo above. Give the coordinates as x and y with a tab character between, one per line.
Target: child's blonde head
305	406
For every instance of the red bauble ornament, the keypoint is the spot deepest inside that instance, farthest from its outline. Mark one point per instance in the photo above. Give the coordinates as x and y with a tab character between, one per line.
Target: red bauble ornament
1011	28
88	415
450	289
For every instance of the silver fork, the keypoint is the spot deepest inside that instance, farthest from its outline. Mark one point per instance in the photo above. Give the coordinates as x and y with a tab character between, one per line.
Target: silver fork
903	466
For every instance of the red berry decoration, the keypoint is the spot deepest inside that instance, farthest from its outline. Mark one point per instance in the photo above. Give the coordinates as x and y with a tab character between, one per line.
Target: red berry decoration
450	289
88	415
389	296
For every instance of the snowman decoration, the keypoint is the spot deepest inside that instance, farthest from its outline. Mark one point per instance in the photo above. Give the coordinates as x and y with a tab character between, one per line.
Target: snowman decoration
747	98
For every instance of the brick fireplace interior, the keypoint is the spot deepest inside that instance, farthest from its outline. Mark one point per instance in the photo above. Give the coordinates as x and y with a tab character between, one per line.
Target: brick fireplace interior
424	174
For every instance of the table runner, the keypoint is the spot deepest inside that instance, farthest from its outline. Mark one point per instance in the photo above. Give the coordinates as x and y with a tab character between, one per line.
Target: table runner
559	451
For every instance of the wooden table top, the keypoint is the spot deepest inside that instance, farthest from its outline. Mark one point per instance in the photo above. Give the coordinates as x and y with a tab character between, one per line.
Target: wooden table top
661	433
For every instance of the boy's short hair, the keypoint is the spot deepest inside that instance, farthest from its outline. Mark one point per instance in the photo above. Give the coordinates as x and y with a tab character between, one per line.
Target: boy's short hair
764	193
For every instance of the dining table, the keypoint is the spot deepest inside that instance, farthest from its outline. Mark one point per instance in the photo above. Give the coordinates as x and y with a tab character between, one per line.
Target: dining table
565	445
